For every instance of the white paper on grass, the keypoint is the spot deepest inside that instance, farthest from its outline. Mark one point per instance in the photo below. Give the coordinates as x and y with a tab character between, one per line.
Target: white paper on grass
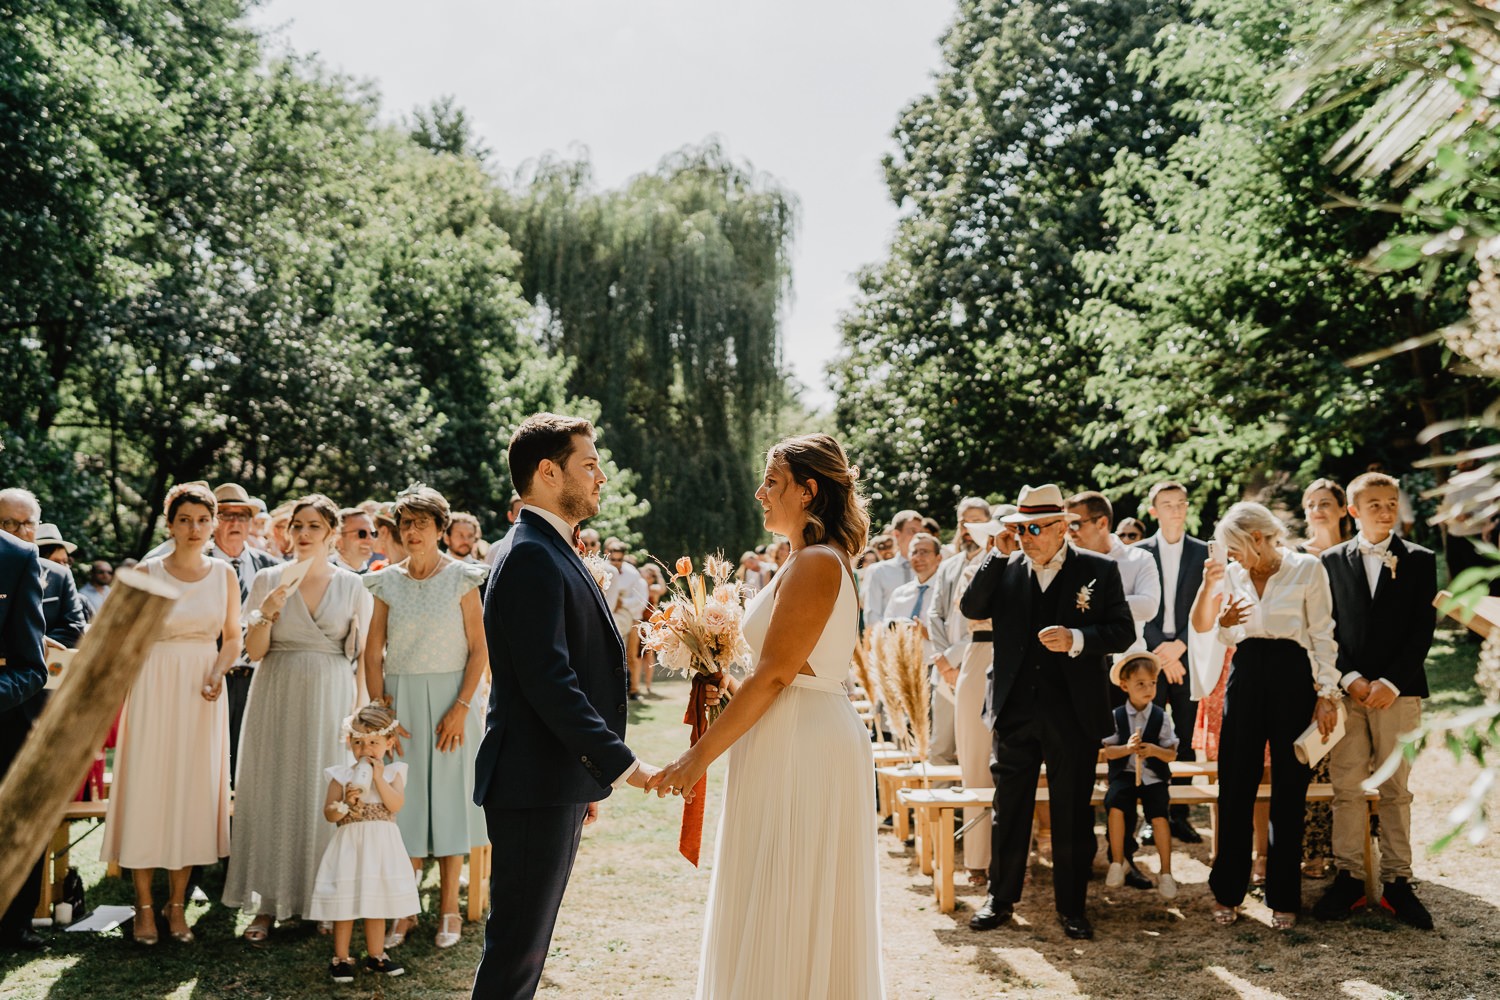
104	918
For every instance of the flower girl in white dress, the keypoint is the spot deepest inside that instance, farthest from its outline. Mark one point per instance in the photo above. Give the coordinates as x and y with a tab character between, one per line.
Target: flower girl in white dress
365	873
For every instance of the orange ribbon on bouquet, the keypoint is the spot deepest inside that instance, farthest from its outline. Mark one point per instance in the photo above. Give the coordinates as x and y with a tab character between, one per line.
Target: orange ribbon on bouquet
690	841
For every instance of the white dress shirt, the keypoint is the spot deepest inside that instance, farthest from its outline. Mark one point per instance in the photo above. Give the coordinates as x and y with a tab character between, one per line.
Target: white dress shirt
1171	570
1373	554
1142	586
880	581
903	607
565	529
1045	573
1297	605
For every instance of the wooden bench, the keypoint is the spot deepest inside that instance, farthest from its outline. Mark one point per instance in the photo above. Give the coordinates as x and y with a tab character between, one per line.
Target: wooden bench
935	810
890	780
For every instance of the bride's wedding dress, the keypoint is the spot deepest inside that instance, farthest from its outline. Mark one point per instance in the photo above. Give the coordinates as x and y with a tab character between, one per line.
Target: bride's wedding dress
793	908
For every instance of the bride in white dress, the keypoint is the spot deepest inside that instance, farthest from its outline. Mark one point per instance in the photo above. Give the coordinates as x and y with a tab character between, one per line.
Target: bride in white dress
793	908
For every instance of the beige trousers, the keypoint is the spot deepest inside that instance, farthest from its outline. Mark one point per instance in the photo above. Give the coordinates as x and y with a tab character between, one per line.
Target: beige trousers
1369	738
975	745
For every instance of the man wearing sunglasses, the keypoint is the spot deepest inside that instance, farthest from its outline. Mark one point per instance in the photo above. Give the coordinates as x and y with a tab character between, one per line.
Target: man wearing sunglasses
1058	613
356	542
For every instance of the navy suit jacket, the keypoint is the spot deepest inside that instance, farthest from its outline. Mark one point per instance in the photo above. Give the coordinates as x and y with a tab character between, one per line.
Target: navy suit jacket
1189	579
24	673
1387	635
1001	591
61	606
555	730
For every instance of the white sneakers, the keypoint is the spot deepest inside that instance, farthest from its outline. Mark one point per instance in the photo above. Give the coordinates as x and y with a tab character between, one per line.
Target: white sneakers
1167	886
1116	876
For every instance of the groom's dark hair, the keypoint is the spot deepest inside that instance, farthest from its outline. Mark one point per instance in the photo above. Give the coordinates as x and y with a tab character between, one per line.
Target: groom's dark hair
549	436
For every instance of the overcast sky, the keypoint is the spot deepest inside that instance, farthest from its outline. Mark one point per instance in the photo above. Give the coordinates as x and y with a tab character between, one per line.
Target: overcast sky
805	90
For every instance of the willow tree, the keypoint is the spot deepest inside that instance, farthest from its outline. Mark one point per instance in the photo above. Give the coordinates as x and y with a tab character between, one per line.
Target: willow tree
666	295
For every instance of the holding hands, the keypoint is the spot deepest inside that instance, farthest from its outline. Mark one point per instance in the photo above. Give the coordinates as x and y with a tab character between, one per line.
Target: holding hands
678	777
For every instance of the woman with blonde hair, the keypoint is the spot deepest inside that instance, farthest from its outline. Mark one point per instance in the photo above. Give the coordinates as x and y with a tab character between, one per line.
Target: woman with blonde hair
1278	616
169	805
793	903
307	636
426	655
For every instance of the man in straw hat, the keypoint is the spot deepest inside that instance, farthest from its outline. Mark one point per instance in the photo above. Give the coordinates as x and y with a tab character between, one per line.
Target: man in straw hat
1058	614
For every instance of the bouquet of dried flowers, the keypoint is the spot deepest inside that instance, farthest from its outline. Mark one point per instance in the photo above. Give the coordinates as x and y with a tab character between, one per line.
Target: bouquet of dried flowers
696	632
900	663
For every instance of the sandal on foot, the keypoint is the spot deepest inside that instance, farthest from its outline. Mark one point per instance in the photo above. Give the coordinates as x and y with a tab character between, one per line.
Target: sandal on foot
1283	921
449	930
147	914
1225	915
399	930
978	877
183	936
258	931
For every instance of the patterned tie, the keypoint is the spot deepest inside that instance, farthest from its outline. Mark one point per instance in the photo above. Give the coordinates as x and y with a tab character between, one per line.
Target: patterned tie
916	611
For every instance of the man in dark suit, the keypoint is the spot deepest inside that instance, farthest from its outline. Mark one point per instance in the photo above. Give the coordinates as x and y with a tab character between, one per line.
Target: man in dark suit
1058	614
554	735
38	601
1179	563
1383	619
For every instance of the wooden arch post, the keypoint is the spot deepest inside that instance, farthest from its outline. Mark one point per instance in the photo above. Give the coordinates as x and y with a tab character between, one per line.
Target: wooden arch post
76	720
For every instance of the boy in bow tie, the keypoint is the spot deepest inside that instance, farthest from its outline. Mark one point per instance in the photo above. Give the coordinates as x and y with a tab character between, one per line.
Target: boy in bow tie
1383	588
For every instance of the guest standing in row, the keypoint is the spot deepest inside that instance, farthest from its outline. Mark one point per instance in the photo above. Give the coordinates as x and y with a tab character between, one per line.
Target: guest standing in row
427	652
169	806
307	640
1279	618
1325	509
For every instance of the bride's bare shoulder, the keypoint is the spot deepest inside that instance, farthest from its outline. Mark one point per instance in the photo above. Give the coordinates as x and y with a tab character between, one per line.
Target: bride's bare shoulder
815	567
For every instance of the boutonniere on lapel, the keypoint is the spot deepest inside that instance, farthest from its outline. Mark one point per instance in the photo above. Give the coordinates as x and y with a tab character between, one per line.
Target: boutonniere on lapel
1085	596
1389	558
600	569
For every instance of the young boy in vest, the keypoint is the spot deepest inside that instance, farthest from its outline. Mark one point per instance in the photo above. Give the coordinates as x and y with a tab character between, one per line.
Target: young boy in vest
1138	751
1382	590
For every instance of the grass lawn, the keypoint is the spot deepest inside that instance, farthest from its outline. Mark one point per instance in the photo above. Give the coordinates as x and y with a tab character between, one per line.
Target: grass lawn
631	922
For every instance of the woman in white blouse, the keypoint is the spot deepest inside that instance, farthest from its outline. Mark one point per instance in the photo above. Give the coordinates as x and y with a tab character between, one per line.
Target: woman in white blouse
1278	616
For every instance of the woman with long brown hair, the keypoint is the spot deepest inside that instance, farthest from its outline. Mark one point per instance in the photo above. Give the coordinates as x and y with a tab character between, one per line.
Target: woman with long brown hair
793	905
169	806
307	637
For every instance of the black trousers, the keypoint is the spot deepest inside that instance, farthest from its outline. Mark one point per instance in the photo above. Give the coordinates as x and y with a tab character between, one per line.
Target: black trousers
1269	698
15	726
534	851
236	693
1024	739
1178	699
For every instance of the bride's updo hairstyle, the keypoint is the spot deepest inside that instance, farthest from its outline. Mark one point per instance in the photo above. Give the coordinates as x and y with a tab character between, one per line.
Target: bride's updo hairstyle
837	514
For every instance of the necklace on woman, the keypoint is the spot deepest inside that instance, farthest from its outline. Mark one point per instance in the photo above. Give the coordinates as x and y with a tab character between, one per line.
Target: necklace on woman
411	569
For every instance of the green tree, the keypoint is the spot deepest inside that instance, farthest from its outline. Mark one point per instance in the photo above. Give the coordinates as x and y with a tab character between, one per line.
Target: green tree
959	374
1226	310
665	295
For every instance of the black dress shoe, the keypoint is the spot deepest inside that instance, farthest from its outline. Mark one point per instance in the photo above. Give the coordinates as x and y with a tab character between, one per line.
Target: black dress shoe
1183	832
26	940
1340	899
991	915
1403	904
1135	879
1078	928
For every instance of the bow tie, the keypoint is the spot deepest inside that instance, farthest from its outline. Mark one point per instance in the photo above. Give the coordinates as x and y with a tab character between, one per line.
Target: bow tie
1366	549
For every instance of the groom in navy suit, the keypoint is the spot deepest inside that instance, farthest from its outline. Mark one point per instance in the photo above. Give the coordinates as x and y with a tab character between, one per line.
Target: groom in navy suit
554	741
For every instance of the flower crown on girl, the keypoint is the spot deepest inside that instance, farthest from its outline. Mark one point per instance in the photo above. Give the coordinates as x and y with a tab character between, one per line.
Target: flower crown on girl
375	719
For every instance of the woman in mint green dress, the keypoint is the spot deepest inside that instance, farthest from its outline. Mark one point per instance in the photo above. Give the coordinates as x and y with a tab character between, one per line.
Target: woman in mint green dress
426	652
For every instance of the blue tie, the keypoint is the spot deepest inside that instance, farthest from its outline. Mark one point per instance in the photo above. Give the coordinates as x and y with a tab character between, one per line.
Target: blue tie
916	611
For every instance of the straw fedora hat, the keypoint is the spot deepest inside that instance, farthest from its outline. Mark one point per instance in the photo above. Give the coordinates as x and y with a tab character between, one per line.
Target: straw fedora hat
233	495
1039	503
48	534
1114	671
